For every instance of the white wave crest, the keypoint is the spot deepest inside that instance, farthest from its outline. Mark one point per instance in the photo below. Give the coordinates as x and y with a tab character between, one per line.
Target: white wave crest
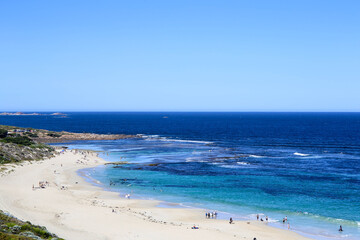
165	139
229	166
301	154
190	159
149	136
243	163
184	141
256	156
233	166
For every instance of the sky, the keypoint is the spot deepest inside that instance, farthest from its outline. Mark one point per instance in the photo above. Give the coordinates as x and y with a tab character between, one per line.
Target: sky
183	55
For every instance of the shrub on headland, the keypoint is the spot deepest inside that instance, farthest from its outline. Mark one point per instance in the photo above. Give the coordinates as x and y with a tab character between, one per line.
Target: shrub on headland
12	228
54	135
3	159
3	133
33	135
20	140
10	152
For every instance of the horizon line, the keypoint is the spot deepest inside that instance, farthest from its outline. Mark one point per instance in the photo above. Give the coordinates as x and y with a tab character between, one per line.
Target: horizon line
182	111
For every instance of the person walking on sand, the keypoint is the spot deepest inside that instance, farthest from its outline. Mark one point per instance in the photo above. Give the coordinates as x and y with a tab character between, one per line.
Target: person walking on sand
231	221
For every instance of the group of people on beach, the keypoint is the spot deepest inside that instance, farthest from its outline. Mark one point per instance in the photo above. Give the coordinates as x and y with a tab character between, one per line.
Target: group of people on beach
261	219
42	184
211	214
285	219
194	227
83	152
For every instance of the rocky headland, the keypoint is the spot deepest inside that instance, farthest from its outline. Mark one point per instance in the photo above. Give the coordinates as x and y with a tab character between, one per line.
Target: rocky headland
46	136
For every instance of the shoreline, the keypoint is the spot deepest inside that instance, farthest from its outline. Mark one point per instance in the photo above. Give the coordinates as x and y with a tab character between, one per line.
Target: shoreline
172	204
84	211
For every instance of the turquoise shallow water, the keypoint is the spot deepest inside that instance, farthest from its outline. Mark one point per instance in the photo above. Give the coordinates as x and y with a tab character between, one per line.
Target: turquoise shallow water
302	165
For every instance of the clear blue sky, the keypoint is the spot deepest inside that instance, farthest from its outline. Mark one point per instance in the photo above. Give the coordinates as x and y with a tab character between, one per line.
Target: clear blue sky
180	55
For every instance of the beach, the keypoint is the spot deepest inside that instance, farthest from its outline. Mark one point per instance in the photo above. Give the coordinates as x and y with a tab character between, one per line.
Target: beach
72	208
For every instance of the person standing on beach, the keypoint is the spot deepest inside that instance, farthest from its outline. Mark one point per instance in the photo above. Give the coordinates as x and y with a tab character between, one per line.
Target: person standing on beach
257	217
231	221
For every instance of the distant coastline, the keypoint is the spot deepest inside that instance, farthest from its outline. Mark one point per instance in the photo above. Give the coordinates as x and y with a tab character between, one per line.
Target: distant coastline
30	114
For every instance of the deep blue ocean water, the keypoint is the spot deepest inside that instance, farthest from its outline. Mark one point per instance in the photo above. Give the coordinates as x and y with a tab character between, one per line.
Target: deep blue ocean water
305	166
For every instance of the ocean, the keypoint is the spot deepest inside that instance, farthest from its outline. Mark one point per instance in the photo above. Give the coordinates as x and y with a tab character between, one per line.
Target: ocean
305	166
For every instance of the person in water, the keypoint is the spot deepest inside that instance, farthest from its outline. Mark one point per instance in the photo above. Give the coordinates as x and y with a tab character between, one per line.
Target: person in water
340	229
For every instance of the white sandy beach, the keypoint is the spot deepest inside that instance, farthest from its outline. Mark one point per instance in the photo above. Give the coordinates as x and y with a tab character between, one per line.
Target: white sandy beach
83	211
